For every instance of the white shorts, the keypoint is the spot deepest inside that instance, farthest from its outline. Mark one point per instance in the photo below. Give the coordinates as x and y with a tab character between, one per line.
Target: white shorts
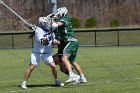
35	58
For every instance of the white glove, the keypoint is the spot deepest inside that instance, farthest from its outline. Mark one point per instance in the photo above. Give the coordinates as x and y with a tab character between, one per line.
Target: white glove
56	42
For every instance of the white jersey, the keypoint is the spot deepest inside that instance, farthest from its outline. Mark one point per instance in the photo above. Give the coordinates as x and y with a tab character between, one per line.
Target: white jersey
38	46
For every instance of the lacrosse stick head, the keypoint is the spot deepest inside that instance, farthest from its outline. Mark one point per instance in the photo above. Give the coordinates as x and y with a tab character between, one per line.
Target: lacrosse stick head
1	1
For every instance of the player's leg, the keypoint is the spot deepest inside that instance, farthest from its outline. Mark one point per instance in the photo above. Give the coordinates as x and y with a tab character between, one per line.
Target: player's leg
27	75
34	60
72	76
82	78
49	60
72	59
63	68
53	69
65	59
71	50
29	71
54	72
58	61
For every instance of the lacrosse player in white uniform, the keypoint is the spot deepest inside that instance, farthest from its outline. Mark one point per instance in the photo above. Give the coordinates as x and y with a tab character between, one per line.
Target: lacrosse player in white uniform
42	49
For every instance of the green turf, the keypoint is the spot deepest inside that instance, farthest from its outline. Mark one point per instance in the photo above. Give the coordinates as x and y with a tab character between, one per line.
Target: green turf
108	70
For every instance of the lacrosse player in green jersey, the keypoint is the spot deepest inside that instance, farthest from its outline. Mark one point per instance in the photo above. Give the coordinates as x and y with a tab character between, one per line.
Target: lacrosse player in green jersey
58	56
64	27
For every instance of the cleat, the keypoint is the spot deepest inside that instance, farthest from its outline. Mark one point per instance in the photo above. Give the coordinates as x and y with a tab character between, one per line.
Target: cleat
81	80
24	87
70	79
58	83
77	77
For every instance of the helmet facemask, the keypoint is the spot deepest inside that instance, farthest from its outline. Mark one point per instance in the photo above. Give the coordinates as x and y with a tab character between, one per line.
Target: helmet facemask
44	23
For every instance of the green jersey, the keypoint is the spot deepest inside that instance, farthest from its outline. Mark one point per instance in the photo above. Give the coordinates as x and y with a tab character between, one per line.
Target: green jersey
66	31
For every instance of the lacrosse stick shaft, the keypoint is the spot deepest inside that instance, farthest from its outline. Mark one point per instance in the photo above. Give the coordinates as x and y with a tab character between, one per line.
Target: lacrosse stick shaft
28	24
14	12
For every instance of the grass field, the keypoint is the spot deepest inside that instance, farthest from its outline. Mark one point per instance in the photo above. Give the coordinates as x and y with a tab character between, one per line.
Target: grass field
107	69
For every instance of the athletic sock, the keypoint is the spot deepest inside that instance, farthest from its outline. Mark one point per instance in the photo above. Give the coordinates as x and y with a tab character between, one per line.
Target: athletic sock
24	82
82	76
71	74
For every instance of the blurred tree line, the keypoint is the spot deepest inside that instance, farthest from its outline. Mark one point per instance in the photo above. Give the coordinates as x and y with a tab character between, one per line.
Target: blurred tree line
104	12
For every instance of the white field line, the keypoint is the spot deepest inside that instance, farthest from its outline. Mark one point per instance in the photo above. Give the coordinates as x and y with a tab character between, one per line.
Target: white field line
44	88
109	81
30	89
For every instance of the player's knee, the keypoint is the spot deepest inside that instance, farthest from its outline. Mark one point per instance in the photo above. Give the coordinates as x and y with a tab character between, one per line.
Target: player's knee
64	58
56	59
52	65
31	67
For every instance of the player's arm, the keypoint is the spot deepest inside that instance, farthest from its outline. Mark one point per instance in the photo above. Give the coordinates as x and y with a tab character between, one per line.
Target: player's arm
41	38
55	24
56	42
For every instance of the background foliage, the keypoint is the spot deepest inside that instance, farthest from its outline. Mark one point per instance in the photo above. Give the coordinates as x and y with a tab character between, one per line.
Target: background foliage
90	22
104	11
76	22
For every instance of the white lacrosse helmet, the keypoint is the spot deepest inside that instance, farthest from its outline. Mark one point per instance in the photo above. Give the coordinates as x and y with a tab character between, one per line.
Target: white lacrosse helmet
45	22
62	11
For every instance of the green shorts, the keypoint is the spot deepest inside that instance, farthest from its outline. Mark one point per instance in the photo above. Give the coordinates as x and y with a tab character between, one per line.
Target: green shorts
71	50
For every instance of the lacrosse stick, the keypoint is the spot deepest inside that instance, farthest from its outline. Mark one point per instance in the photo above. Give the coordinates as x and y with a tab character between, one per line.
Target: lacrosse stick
28	24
